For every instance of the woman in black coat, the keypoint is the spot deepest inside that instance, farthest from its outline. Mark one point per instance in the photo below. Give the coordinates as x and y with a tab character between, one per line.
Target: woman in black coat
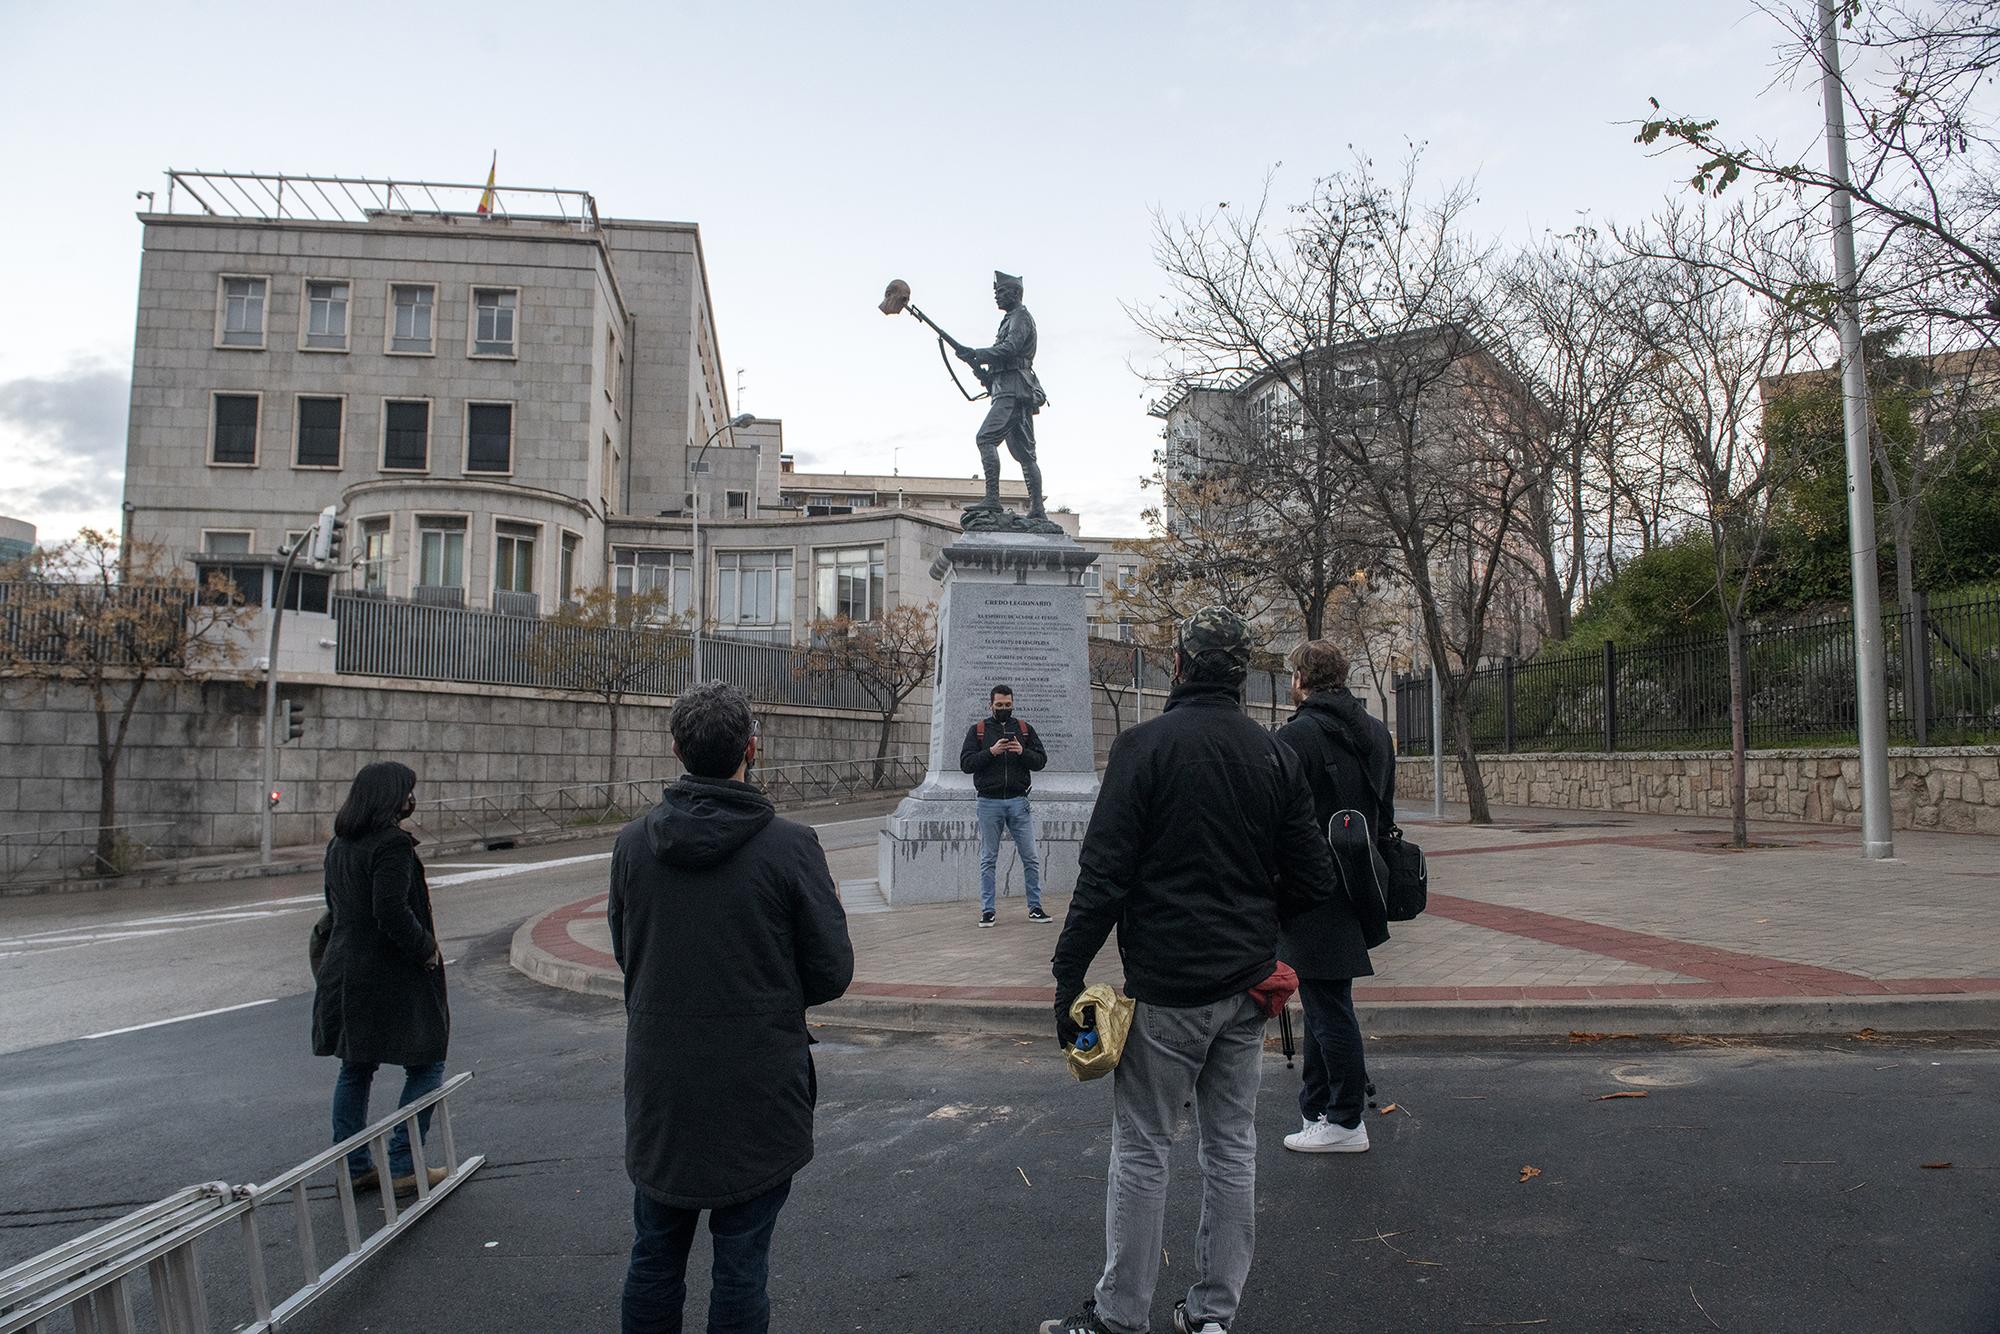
380	995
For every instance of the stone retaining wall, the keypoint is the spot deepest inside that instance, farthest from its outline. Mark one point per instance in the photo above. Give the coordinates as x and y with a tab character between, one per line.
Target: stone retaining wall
1949	788
194	760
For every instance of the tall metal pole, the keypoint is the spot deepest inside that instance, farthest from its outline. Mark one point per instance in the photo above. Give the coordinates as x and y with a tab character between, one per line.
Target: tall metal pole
700	606
1437	746
271	700
1870	679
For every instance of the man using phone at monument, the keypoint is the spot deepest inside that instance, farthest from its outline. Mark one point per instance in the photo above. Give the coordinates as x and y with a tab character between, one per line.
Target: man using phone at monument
1002	753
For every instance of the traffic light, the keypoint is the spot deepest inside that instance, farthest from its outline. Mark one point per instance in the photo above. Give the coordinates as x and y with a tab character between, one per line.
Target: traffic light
276	797
295	720
326	538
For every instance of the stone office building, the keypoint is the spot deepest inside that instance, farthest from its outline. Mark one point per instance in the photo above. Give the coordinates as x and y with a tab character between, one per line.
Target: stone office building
505	406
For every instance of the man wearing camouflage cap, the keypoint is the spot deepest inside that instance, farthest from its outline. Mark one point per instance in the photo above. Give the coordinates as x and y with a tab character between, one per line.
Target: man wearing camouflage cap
1202	840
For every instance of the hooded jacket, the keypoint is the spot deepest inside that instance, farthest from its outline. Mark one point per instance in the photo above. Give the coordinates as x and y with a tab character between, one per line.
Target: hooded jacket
1333	941
727	924
1201	840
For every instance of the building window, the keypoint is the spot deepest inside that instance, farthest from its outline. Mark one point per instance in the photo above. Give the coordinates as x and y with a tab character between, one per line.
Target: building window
406	435
318	443
611	365
753	588
308	591
736	504
489	437
375	556
244	587
412	306
243	312
566	571
440	553
234	442
668	573
608	463
493	311
849	581
514	557
326	316
226	541
1093	580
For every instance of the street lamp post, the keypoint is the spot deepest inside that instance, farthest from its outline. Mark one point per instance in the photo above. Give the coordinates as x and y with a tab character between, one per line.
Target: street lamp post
699	572
1870	690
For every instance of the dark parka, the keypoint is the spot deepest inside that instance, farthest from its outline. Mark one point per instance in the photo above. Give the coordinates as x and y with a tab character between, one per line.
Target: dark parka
1201	840
727	924
377	998
1331	942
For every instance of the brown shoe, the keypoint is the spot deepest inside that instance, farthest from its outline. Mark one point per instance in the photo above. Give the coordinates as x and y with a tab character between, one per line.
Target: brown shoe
369	1180
408	1185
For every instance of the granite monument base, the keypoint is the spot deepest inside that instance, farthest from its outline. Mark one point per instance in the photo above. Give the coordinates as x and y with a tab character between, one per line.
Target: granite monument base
1012	613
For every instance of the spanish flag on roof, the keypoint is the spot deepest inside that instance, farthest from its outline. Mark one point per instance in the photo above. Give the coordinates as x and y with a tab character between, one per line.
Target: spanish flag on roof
486	198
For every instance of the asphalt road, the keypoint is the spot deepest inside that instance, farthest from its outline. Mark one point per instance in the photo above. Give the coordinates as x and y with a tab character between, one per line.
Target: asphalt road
88	963
959	1182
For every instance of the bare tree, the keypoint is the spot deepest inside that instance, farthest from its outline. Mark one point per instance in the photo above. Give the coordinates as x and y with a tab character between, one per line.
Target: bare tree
1114	671
888	658
1360	317
1924	145
112	619
1369	623
1575	310
1713	343
609	644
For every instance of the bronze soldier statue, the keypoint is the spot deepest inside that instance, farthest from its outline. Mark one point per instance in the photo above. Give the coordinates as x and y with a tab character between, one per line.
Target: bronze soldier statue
1008	370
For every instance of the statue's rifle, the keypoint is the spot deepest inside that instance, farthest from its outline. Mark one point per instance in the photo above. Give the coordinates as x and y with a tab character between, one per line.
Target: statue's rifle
897	300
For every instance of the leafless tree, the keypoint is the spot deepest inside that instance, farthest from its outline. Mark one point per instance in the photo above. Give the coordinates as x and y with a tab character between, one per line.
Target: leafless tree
112	618
1360	317
1712	344
609	644
888	658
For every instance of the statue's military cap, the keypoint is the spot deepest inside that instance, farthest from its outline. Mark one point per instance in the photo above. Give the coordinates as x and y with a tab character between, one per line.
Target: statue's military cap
1216	630
1006	279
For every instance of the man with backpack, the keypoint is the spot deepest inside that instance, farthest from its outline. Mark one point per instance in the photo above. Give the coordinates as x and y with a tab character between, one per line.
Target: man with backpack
1350	765
1003	754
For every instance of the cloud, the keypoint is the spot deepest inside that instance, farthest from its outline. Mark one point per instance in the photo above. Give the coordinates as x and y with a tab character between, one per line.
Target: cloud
63	436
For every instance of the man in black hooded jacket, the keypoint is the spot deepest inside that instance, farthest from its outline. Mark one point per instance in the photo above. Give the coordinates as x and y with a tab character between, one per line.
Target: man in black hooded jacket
1350	765
727	924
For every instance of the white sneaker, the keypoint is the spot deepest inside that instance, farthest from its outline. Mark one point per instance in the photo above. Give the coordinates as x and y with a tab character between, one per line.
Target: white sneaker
1323	1136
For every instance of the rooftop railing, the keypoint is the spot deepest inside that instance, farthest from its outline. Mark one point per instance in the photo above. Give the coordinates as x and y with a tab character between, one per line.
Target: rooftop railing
261	197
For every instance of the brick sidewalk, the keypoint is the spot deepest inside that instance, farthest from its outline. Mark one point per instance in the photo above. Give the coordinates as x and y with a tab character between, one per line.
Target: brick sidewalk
1575	907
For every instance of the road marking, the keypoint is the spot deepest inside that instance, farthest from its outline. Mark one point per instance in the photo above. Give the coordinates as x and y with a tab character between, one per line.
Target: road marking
178	1019
200	917
517	868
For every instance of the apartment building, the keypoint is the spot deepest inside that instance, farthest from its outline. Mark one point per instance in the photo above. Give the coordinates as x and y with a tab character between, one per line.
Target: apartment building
507	396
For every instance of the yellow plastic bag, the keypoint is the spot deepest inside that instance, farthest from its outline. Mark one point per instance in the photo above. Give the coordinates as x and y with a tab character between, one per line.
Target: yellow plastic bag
1114	1021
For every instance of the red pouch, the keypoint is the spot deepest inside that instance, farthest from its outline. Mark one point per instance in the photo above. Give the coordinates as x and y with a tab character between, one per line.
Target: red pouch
1272	993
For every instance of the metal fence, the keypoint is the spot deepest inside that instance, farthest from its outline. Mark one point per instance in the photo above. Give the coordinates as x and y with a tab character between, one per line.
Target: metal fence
1943	676
425	643
58	623
35	856
1120	664
505	815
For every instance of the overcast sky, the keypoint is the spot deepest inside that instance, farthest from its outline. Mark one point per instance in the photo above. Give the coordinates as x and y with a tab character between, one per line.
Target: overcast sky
825	149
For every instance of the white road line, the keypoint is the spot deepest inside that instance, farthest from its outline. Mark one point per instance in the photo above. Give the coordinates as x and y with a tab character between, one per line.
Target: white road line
178	1019
517	868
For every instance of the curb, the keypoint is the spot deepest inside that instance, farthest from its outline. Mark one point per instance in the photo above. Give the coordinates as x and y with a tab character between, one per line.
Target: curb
1784	1017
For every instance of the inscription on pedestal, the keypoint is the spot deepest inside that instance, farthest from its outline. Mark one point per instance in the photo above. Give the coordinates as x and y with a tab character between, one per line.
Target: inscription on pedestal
1031	637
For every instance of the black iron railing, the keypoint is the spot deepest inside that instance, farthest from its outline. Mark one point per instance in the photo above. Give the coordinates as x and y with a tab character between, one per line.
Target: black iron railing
1943	666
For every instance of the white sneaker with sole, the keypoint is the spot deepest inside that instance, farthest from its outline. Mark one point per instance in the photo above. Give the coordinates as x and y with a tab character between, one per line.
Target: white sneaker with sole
1323	1136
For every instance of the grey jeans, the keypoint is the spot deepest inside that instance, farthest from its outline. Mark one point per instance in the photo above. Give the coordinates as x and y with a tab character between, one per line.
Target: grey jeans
1214	1053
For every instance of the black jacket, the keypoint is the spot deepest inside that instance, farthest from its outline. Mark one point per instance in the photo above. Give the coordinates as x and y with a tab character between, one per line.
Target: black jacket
1002	775
1201	840
727	924
375	997
1332	941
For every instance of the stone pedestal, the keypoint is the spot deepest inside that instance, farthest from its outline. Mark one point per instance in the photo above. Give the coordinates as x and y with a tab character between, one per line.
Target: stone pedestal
1012	612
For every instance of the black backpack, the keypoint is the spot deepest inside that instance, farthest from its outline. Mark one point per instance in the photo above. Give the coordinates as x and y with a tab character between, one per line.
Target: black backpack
1397	867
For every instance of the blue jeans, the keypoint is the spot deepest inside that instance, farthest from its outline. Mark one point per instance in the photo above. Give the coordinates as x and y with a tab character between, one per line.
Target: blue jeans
350	1111
656	1282
1007	815
1335	1083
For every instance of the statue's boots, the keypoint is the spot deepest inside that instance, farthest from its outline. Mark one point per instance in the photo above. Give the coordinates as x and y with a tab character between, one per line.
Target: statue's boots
989	459
1031	471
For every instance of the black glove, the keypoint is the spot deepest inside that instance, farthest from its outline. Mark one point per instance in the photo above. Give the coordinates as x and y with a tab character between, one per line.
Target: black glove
1066	1028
